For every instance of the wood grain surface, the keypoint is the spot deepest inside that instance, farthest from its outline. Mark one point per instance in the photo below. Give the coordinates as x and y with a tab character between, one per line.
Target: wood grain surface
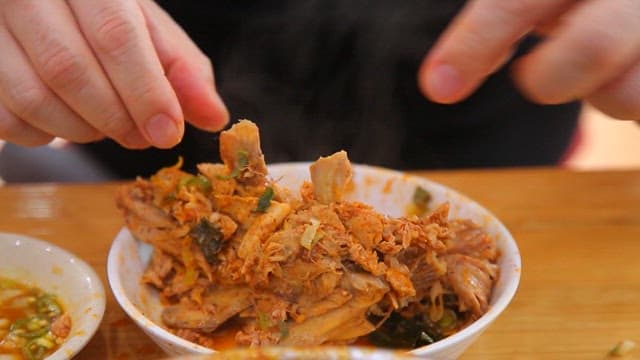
578	232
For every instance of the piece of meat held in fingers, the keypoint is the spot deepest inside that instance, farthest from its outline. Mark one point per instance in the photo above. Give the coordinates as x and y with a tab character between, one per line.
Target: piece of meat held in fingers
241	153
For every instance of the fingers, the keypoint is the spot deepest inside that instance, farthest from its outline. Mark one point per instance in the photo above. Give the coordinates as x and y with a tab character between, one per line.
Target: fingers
25	96
619	98
117	33
57	51
478	41
19	132
187	68
597	41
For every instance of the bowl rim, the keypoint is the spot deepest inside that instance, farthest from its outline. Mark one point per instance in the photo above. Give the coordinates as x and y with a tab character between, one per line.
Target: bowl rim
73	344
132	311
475	328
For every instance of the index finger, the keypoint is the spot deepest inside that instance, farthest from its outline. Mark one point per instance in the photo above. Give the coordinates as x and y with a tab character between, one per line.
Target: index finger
117	32
478	41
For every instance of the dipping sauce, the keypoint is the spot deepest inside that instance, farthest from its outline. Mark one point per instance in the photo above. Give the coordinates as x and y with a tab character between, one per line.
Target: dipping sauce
33	323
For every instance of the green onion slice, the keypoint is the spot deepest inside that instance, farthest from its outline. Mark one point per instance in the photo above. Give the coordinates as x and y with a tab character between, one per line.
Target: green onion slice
241	165
265	200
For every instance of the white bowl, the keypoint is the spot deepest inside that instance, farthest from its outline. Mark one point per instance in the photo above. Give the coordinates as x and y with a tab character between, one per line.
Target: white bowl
390	192
309	353
59	272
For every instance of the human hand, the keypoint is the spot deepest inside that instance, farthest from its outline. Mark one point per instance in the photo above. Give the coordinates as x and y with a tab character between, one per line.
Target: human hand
87	69
592	52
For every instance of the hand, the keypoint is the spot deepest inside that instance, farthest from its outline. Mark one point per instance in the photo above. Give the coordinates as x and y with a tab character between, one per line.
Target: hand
592	52
87	69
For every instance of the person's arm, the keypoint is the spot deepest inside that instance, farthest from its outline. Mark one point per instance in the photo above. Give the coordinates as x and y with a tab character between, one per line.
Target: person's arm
591	51
87	69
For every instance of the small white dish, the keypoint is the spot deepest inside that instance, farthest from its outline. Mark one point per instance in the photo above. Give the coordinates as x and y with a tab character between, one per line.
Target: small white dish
55	270
390	192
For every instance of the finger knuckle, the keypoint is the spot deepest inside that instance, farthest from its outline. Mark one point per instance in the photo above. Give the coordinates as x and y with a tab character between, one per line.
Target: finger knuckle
115	32
596	51
144	92
116	125
513	9
13	130
28	100
62	68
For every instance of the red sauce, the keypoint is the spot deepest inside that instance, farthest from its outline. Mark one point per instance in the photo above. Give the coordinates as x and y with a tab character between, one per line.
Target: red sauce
26	317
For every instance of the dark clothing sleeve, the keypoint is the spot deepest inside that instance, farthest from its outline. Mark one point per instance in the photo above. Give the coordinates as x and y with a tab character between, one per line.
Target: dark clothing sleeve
324	75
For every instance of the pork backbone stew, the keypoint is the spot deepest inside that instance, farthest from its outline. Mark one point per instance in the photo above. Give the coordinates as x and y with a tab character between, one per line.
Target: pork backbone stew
236	252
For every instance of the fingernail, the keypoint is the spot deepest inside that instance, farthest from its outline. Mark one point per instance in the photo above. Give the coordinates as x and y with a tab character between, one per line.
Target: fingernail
162	131
224	118
444	83
135	140
218	114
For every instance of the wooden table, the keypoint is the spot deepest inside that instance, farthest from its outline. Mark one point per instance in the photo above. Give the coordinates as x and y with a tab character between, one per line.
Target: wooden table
579	234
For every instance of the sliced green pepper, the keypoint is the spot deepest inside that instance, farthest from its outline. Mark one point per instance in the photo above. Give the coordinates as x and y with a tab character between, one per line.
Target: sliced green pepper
47	305
32	327
34	351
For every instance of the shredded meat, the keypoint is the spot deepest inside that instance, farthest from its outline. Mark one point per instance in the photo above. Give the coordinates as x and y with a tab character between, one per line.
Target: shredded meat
290	270
160	266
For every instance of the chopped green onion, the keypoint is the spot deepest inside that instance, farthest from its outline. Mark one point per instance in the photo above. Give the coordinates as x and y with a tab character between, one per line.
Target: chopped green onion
241	164
309	234
200	182
448	321
18	324
31	327
45	343
284	329
8	284
33	351
622	348
264	320
47	305
265	200
421	197
426	338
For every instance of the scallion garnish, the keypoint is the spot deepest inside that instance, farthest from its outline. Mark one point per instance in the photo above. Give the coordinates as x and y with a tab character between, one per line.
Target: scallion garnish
242	164
265	200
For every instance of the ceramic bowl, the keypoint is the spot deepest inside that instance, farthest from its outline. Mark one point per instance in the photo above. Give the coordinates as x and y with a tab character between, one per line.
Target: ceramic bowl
390	192
57	271
311	353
